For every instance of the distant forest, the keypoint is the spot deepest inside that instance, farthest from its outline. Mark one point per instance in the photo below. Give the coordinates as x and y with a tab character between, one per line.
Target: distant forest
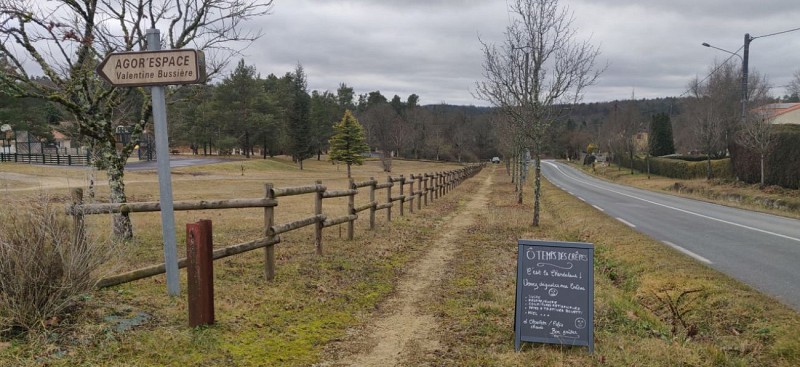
254	116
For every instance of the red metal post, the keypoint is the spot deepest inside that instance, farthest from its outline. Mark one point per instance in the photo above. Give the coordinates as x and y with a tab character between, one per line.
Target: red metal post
200	269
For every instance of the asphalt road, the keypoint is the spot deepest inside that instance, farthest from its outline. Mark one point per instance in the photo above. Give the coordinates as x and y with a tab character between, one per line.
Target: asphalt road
758	249
175	161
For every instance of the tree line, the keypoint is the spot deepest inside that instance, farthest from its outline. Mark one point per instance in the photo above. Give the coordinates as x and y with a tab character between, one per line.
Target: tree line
253	115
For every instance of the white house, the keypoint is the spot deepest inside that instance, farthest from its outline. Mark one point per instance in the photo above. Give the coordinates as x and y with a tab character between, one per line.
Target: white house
782	113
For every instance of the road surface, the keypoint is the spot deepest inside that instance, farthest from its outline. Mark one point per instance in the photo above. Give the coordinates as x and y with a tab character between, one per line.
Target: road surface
759	249
173	163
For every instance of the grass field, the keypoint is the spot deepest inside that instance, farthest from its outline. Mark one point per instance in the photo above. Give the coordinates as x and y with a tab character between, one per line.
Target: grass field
318	306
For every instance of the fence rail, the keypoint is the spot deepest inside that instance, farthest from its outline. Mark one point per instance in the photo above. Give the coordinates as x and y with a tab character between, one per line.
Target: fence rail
429	187
47	159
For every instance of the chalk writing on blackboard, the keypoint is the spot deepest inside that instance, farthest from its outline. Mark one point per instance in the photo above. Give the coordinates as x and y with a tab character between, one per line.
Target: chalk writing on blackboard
555	293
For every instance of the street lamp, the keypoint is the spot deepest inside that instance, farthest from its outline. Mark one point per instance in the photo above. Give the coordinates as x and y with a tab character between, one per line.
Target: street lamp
746	53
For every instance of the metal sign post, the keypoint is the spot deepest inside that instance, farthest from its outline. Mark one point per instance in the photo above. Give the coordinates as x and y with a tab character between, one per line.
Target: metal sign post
156	68
164	176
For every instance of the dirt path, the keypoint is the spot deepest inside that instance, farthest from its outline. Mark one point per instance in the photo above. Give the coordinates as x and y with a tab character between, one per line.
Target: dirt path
405	327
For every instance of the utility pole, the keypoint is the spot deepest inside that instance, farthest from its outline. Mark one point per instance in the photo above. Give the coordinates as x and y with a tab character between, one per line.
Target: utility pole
746	55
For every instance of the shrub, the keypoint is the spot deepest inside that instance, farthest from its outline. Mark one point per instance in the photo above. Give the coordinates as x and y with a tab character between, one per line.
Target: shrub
782	164
680	169
44	267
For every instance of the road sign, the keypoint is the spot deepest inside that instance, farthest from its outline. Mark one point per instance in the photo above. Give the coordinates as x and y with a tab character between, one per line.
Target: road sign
147	68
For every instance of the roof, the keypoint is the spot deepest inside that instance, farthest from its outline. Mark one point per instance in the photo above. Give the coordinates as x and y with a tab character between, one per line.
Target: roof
57	135
776	109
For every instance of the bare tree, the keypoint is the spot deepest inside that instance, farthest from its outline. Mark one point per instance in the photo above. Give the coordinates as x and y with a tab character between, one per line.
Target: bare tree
66	39
756	134
540	69
624	125
388	131
706	125
794	86
714	108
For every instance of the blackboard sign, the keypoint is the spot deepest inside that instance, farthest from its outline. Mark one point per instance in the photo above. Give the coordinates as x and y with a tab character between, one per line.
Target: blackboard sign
555	293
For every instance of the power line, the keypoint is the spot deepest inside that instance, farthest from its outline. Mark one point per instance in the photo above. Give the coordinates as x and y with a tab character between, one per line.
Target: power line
735	54
715	70
776	33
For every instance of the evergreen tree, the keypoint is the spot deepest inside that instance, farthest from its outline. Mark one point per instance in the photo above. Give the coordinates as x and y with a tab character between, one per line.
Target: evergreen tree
348	142
241	104
324	112
300	128
660	140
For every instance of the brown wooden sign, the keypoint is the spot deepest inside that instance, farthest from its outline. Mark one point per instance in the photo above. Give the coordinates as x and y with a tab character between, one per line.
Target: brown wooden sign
147	68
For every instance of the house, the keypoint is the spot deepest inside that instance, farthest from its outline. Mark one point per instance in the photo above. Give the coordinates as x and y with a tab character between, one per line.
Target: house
781	113
62	141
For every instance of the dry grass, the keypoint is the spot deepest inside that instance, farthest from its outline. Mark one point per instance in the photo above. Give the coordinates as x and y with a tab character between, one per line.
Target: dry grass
316	302
313	301
45	267
636	278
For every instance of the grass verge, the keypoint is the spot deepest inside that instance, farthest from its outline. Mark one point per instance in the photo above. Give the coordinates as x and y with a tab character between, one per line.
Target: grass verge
770	199
638	282
313	302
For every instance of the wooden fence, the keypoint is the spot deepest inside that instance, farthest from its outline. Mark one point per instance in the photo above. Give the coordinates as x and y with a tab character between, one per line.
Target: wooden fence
47	159
429	187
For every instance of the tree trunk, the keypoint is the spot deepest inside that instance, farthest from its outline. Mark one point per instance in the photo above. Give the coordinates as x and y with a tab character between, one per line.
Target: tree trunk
348	170
520	180
301	163
247	144
537	190
122	226
762	169
708	168
631	160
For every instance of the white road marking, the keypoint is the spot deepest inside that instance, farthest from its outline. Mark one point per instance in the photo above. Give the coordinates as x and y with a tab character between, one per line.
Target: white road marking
581	199
687	252
677	209
598	208
625	222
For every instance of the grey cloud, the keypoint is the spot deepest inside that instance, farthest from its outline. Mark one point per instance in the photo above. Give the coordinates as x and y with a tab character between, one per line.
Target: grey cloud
431	47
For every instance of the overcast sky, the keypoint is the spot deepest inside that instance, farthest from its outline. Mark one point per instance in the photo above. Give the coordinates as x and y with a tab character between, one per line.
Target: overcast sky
430	47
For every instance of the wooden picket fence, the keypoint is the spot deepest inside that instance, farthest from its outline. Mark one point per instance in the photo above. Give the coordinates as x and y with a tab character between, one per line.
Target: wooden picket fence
429	187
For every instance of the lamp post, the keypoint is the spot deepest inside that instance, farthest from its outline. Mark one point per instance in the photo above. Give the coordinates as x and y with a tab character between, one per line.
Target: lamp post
746	53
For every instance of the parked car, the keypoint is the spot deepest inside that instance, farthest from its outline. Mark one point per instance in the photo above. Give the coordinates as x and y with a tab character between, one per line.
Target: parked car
496	160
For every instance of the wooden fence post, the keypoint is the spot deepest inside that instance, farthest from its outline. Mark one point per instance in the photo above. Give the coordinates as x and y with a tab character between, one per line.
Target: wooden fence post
441	183
452	179
269	221
435	188
426	189
372	201
411	195
419	192
318	211
402	197
389	198
77	218
351	210
200	273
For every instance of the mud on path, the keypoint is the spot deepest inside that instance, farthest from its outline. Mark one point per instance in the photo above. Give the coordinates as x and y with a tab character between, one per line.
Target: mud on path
405	329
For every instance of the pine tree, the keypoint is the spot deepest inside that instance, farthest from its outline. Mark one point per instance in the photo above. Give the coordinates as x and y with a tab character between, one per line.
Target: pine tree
300	129
348	142
660	140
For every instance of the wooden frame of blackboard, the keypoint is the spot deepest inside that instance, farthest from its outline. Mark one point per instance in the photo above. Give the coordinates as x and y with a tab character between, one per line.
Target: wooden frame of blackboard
588	303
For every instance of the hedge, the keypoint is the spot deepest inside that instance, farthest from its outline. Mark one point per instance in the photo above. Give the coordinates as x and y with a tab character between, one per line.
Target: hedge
782	163
680	169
